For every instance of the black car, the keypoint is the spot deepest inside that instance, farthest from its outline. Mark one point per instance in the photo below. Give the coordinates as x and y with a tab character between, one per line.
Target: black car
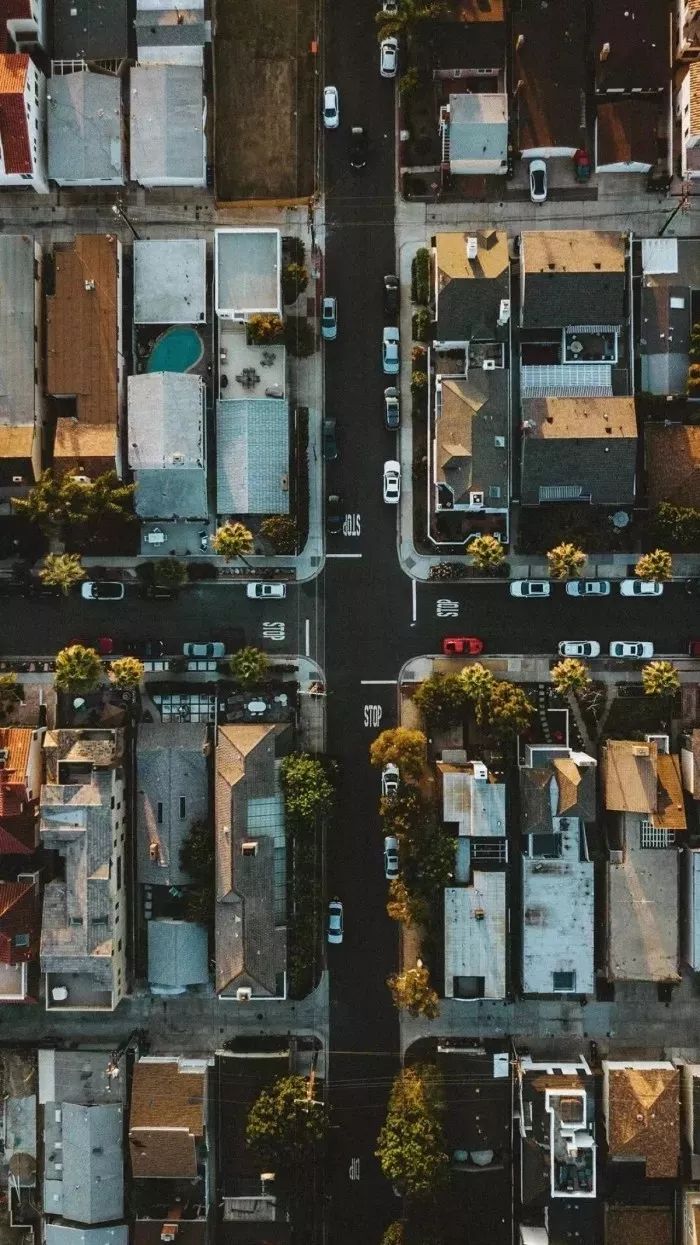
692	587
391	298
335	513
358	147
152	648
330	441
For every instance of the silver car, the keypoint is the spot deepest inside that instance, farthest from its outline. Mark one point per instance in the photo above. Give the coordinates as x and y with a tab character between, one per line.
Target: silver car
641	588
390	351
530	588
631	648
334	927
391	857
329	319
390	780
588	588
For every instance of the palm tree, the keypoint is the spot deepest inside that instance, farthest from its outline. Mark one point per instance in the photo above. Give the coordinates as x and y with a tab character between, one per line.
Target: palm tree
411	14
105	497
43	504
248	666
477	682
126	672
570	675
78	669
487	552
169	573
566	561
660	678
655	565
62	570
233	540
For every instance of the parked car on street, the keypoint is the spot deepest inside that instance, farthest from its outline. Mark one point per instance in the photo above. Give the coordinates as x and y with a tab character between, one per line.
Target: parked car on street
264	590
331	107
391	489
329	319
335	922
579	648
330	440
631	648
390	350
392	296
538	181
390	780
150	648
692	587
335	513
213	649
392	409
388	56
462	645
358	147
391	857
588	587
530	588
102	590
641	588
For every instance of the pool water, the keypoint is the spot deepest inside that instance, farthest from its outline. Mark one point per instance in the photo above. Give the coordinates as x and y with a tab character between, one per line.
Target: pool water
176	350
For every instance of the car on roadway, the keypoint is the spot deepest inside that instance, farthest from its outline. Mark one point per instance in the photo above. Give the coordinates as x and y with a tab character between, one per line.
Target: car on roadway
334	925
391	857
102	590
579	648
538	181
631	648
213	649
330	440
392	297
151	648
335	513
329	318
390	7
588	587
358	147
462	645
391	487
533	588
388	56
641	588
331	107
692	587
390	350
390	780
392	409
263	591
103	645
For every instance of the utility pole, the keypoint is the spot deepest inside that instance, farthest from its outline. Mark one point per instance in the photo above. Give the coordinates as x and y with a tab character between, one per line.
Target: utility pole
681	206
118	210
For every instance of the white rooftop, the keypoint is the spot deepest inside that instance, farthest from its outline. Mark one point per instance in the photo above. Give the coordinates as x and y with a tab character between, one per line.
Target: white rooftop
475	934
475	804
558	919
170	281
247	272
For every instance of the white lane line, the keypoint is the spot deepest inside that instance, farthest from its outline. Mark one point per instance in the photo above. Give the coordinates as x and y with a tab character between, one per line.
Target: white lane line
378	682
308	637
413	600
343	555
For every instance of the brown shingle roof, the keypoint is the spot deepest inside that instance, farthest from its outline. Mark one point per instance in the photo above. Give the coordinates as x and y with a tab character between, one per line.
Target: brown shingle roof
167	1120
629	776
672	455
573	250
82	327
644	1117
626	131
638	1225
670	808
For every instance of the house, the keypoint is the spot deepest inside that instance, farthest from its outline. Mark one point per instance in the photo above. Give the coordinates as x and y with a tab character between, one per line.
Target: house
21	363
641	1116
643	802
247	273
167	451
22	107
170	280
549	79
639	1224
471	279
20	932
668	270
631	134
21	768
24	22
555	1108
631	48
474	129
85	140
83	820
688	112
243	1192
172	793
690	768
691	928
578	449
171	34
557	801
252	456
85	358
90	30
167	115
251	912
168	1119
178	955
688	29
690	1115
83	1162
672	462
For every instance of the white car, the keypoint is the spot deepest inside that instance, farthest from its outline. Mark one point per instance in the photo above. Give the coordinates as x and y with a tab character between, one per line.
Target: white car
391	857
331	107
641	588
388	57
530	588
335	922
390	351
588	587
392	482
579	648
214	649
329	319
538	181
261	591
631	648
390	780
391	7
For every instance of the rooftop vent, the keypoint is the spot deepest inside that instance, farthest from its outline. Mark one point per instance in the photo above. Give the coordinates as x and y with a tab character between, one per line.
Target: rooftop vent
472	247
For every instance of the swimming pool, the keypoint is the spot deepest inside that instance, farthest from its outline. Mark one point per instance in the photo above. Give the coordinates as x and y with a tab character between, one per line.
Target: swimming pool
178	349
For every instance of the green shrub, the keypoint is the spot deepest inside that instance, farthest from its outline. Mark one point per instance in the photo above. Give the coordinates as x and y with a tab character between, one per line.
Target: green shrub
421	325
422	276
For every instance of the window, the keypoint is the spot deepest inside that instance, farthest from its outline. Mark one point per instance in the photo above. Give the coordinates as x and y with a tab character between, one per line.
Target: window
249	849
21	940
99	920
111	803
182	808
75	920
160	814
494	491
119	873
563	982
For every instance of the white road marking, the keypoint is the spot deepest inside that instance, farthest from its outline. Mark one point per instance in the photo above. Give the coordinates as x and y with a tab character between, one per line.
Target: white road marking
273	631
446	608
378	682
307	630
354	1169
413	600
373	715
352	525
343	555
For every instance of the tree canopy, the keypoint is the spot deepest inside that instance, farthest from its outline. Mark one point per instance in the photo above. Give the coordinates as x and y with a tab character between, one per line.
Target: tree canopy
126	672
248	666
62	570
570	675
233	540
78	669
655	565
442	699
411	1145
53	503
285	1126
486	551
660	678
307	789
402	747
412	992
566	560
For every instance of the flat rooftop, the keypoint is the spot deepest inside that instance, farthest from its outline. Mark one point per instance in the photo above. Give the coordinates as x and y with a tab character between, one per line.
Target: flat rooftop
90	29
643	915
588	418
550	63
558	920
170	281
475	936
573	250
631	49
247	271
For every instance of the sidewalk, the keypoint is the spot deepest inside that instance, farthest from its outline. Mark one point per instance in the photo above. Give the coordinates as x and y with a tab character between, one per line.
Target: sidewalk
536	668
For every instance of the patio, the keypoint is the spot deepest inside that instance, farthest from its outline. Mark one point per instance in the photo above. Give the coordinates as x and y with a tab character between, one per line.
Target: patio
249	371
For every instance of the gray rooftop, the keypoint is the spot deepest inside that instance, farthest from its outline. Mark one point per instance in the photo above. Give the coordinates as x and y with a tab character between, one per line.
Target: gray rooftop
478	132
167	129
178	954
558	915
63	1234
559	787
475	946
17	258
172	793
170	281
166	444
643	912
78	1076
473	413
670	270
83	1162
171	33
247	270
476	805
90	29
252	437
84	128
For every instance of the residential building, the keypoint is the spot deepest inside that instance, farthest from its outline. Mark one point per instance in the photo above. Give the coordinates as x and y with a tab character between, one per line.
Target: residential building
167	116
83	820
557	801
690	770
578	449
24	21
690	1219
172	776
20	931
90	30
167	452
631	48
178	955
672	461
246	1196
168	1121
251	865
691	910
252	456
641	1116
690	1116
668	270
643	802
474	130
556	1111
85	360
631	134
688	29
22	109
21	768
21	364
85	139
247	273
687	107
549	79
83	1162
623	1222
170	280
170	34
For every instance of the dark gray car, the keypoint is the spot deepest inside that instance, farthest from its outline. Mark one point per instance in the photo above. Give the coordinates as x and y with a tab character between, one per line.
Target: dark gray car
330	440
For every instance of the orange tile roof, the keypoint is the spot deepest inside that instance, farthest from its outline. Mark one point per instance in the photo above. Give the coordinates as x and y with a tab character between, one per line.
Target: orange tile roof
82	318
167	1120
13	72
644	1118
673	463
14	133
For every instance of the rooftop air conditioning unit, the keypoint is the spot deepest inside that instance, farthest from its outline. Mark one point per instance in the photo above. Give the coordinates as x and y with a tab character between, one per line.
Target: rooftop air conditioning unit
178	458
244	994
472	247
499	442
479	771
479	914
488	365
663	743
18	479
168	1232
640	750
504	311
476	499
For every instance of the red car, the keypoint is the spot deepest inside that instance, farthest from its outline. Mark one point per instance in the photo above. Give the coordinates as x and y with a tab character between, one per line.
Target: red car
462	646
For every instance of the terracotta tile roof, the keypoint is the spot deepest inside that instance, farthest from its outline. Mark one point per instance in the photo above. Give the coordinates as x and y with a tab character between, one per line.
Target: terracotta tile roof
670	806
638	1225
167	1120
629	776
18	835
14	134
582	418
672	456
18	741
19	914
644	1117
82	327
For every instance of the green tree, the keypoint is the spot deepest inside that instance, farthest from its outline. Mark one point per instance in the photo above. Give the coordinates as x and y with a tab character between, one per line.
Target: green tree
477	682
299	337
402	814
428	860
441	699
10	693
487	552
285	1126
105	497
295	279
411	1145
78	669
62	570
126	672
43	503
677	526
566	560
403	747
169	572
307	789
660	678
509	710
233	540
570	675
403	906
655	565
395	1234
408	84
248	666
412	992
197	860
281	531
265	330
